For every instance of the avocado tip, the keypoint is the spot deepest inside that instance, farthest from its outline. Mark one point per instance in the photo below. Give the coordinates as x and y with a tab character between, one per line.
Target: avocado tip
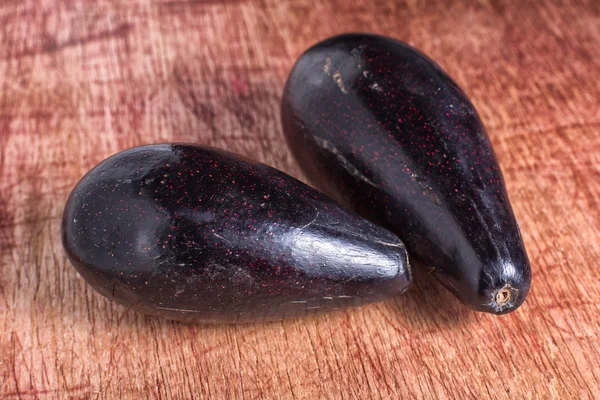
505	299
503	296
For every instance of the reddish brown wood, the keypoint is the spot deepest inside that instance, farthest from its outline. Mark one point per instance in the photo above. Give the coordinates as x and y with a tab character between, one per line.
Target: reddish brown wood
82	80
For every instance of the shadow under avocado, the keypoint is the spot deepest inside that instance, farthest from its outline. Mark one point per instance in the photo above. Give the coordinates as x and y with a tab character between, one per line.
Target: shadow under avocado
427	305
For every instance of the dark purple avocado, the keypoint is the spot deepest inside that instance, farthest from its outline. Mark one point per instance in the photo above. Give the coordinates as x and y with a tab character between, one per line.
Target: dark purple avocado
199	234
383	129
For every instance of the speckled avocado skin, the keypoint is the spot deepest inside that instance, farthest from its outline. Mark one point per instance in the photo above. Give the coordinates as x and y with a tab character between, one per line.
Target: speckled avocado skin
199	234
384	130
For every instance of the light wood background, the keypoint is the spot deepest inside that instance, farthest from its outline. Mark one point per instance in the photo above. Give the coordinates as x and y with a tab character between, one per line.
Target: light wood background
83	79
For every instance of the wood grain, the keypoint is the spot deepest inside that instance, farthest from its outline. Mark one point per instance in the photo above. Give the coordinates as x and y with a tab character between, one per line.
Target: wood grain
82	79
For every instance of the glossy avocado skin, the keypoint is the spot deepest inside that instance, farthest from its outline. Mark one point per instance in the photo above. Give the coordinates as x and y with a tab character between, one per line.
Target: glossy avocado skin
380	127
199	234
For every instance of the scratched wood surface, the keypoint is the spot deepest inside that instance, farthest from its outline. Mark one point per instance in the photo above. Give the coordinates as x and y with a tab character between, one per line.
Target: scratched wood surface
81	80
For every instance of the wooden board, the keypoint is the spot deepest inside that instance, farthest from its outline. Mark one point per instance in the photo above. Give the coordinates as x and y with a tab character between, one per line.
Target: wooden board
81	80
